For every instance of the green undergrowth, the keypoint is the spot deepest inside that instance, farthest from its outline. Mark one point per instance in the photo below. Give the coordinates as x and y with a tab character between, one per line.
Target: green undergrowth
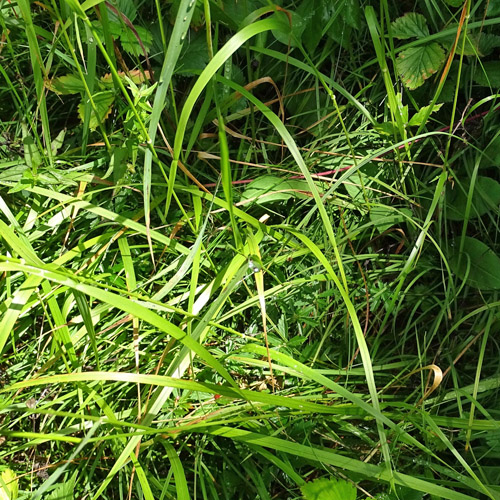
249	250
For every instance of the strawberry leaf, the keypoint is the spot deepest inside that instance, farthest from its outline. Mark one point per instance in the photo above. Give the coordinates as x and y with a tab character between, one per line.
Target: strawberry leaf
417	64
410	25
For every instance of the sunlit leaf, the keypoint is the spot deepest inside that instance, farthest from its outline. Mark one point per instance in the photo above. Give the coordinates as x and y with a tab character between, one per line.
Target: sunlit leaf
67	84
269	188
329	489
9	485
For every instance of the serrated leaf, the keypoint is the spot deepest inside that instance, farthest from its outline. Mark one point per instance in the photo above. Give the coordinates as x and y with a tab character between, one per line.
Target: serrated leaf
493	8
479	265
416	119
488	42
328	489
125	7
455	3
131	44
488	74
411	25
469	47
269	188
417	64
63	491
486	197
194	55
67	84
103	102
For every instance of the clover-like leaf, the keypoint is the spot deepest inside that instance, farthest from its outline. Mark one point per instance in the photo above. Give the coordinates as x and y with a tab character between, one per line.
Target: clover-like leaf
411	25
417	64
328	489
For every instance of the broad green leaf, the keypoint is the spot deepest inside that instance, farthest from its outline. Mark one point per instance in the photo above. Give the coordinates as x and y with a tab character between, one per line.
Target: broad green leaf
455	3
9	487
486	197
103	102
322	11
58	141
491	154
479	265
411	25
469	47
31	154
328	489
384	217
269	188
67	84
417	64
118	163
416	119
351	12
488	74
293	34
194	55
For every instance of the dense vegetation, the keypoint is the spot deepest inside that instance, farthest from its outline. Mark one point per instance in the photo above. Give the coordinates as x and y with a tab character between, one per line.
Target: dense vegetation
249	250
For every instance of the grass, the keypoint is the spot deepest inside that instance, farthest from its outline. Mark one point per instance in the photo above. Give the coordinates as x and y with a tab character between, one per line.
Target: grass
249	250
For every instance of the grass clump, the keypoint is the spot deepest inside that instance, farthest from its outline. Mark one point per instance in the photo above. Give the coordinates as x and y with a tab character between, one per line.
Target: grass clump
249	250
